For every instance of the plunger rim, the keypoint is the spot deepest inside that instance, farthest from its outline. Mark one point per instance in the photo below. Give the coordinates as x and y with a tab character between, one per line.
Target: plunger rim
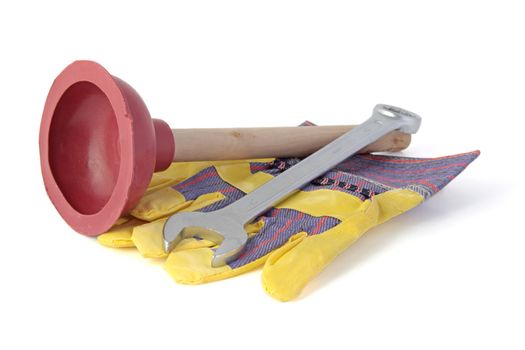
94	73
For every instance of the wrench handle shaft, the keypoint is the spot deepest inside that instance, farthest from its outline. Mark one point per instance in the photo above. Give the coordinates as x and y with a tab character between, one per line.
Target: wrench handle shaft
290	181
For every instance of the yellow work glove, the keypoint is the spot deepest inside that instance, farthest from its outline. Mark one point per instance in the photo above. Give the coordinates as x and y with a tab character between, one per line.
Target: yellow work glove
294	240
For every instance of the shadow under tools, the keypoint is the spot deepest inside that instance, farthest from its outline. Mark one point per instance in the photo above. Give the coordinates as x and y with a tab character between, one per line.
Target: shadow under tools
447	205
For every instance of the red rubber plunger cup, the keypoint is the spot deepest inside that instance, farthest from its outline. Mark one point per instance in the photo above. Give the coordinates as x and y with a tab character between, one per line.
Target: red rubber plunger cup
98	147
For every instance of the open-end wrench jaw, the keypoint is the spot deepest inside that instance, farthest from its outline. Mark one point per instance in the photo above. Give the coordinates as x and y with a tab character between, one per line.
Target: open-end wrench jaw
213	226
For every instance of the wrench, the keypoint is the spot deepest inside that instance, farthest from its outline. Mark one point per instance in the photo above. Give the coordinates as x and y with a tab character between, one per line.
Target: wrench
226	226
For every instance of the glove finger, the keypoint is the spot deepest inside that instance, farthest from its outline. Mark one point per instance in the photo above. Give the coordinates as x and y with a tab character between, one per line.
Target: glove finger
288	270
119	236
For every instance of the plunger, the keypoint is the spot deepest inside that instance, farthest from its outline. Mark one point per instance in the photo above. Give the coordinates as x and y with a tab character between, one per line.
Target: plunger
99	146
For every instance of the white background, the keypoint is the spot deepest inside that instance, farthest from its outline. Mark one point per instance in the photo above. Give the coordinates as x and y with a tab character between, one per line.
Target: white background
447	275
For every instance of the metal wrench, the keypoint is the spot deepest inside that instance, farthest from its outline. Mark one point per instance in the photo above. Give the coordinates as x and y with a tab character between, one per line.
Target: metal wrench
226	226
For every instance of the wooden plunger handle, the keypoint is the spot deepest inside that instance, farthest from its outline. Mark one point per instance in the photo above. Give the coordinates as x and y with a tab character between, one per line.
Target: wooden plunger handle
250	143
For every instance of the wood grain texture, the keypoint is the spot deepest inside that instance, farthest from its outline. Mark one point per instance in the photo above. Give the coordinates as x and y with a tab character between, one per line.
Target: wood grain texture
244	143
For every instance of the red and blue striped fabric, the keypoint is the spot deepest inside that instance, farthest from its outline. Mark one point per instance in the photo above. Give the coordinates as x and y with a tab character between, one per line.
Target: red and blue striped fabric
362	176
